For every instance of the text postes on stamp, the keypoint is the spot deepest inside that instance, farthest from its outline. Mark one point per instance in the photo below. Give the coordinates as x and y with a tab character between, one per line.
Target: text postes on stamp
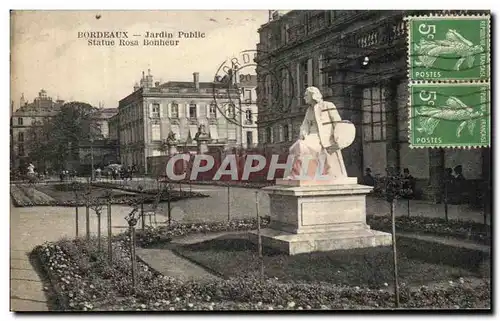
449	47
450	115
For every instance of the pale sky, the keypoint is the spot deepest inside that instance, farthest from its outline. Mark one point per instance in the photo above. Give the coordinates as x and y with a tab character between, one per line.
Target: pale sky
47	53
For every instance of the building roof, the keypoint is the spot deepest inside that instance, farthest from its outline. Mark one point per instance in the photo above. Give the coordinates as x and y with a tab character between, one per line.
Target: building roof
106	113
190	84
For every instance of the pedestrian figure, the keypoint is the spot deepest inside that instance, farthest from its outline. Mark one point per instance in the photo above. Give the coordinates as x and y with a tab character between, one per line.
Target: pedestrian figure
368	178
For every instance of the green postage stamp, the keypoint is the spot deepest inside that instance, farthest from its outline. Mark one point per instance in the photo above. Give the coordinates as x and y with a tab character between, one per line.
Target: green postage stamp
450	115
449	47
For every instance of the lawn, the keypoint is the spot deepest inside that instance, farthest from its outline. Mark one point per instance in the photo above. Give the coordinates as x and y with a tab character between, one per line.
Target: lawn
236	256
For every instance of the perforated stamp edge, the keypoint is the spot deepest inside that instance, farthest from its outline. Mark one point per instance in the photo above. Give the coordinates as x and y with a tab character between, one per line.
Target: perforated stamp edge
465	146
432	16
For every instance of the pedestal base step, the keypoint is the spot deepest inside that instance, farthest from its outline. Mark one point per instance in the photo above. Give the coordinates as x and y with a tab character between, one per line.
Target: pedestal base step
321	242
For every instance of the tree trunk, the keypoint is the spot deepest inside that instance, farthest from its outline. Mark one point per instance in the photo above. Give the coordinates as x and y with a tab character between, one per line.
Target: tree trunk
132	256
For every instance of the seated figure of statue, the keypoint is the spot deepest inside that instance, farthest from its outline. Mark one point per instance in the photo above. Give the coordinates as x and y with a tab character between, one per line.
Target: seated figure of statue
171	137
322	136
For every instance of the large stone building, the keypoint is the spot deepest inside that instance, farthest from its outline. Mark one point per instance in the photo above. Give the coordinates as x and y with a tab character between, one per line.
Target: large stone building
152	111
358	61
29	115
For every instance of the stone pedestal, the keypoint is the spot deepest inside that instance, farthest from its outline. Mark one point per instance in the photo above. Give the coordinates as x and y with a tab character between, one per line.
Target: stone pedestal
172	149
202	144
319	216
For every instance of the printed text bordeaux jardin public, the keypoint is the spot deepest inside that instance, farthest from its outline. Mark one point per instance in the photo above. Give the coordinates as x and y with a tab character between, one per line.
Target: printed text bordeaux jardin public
128	39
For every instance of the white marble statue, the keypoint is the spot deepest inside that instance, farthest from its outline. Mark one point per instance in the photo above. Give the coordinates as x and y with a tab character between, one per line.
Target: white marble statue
322	136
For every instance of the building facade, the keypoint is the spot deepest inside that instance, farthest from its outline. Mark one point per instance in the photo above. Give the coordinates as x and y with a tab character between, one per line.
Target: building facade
249	111
358	61
102	118
153	111
27	116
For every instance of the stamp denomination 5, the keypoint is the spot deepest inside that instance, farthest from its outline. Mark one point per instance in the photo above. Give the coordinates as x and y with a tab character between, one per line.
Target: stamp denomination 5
448	115
449	47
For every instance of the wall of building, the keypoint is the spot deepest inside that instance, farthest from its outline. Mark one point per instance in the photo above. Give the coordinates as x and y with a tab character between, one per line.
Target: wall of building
346	82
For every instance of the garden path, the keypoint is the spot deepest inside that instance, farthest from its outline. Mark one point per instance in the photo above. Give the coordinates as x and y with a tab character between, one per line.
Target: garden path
32	226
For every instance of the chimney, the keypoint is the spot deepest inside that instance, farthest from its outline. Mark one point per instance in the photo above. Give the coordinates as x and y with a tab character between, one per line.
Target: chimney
136	87
196	80
157	84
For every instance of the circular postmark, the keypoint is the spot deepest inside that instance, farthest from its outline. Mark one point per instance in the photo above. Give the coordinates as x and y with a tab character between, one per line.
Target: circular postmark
274	88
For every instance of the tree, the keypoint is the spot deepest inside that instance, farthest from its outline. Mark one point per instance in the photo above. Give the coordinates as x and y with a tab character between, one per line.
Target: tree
57	140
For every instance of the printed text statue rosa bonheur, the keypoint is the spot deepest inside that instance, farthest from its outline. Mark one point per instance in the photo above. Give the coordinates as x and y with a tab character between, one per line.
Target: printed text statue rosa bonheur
323	134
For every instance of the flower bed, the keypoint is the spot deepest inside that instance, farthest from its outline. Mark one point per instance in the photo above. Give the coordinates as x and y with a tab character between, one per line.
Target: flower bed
233	183
63	195
19	197
28	195
430	225
162	234
85	281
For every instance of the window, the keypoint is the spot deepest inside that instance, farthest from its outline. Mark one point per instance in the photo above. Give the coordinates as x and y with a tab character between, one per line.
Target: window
305	75
374	119
284	87
247	96
192	110
155	111
280	133
155	132
213	110
286	136
248	115
249	139
20	136
269	135
329	81
174	110
20	149
231	111
20	121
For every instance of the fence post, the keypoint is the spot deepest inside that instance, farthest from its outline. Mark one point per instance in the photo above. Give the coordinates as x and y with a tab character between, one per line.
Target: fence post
446	200
132	221
228	203
259	235
98	212
76	213
110	247
169	210
87	220
143	219
132	254
394	252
